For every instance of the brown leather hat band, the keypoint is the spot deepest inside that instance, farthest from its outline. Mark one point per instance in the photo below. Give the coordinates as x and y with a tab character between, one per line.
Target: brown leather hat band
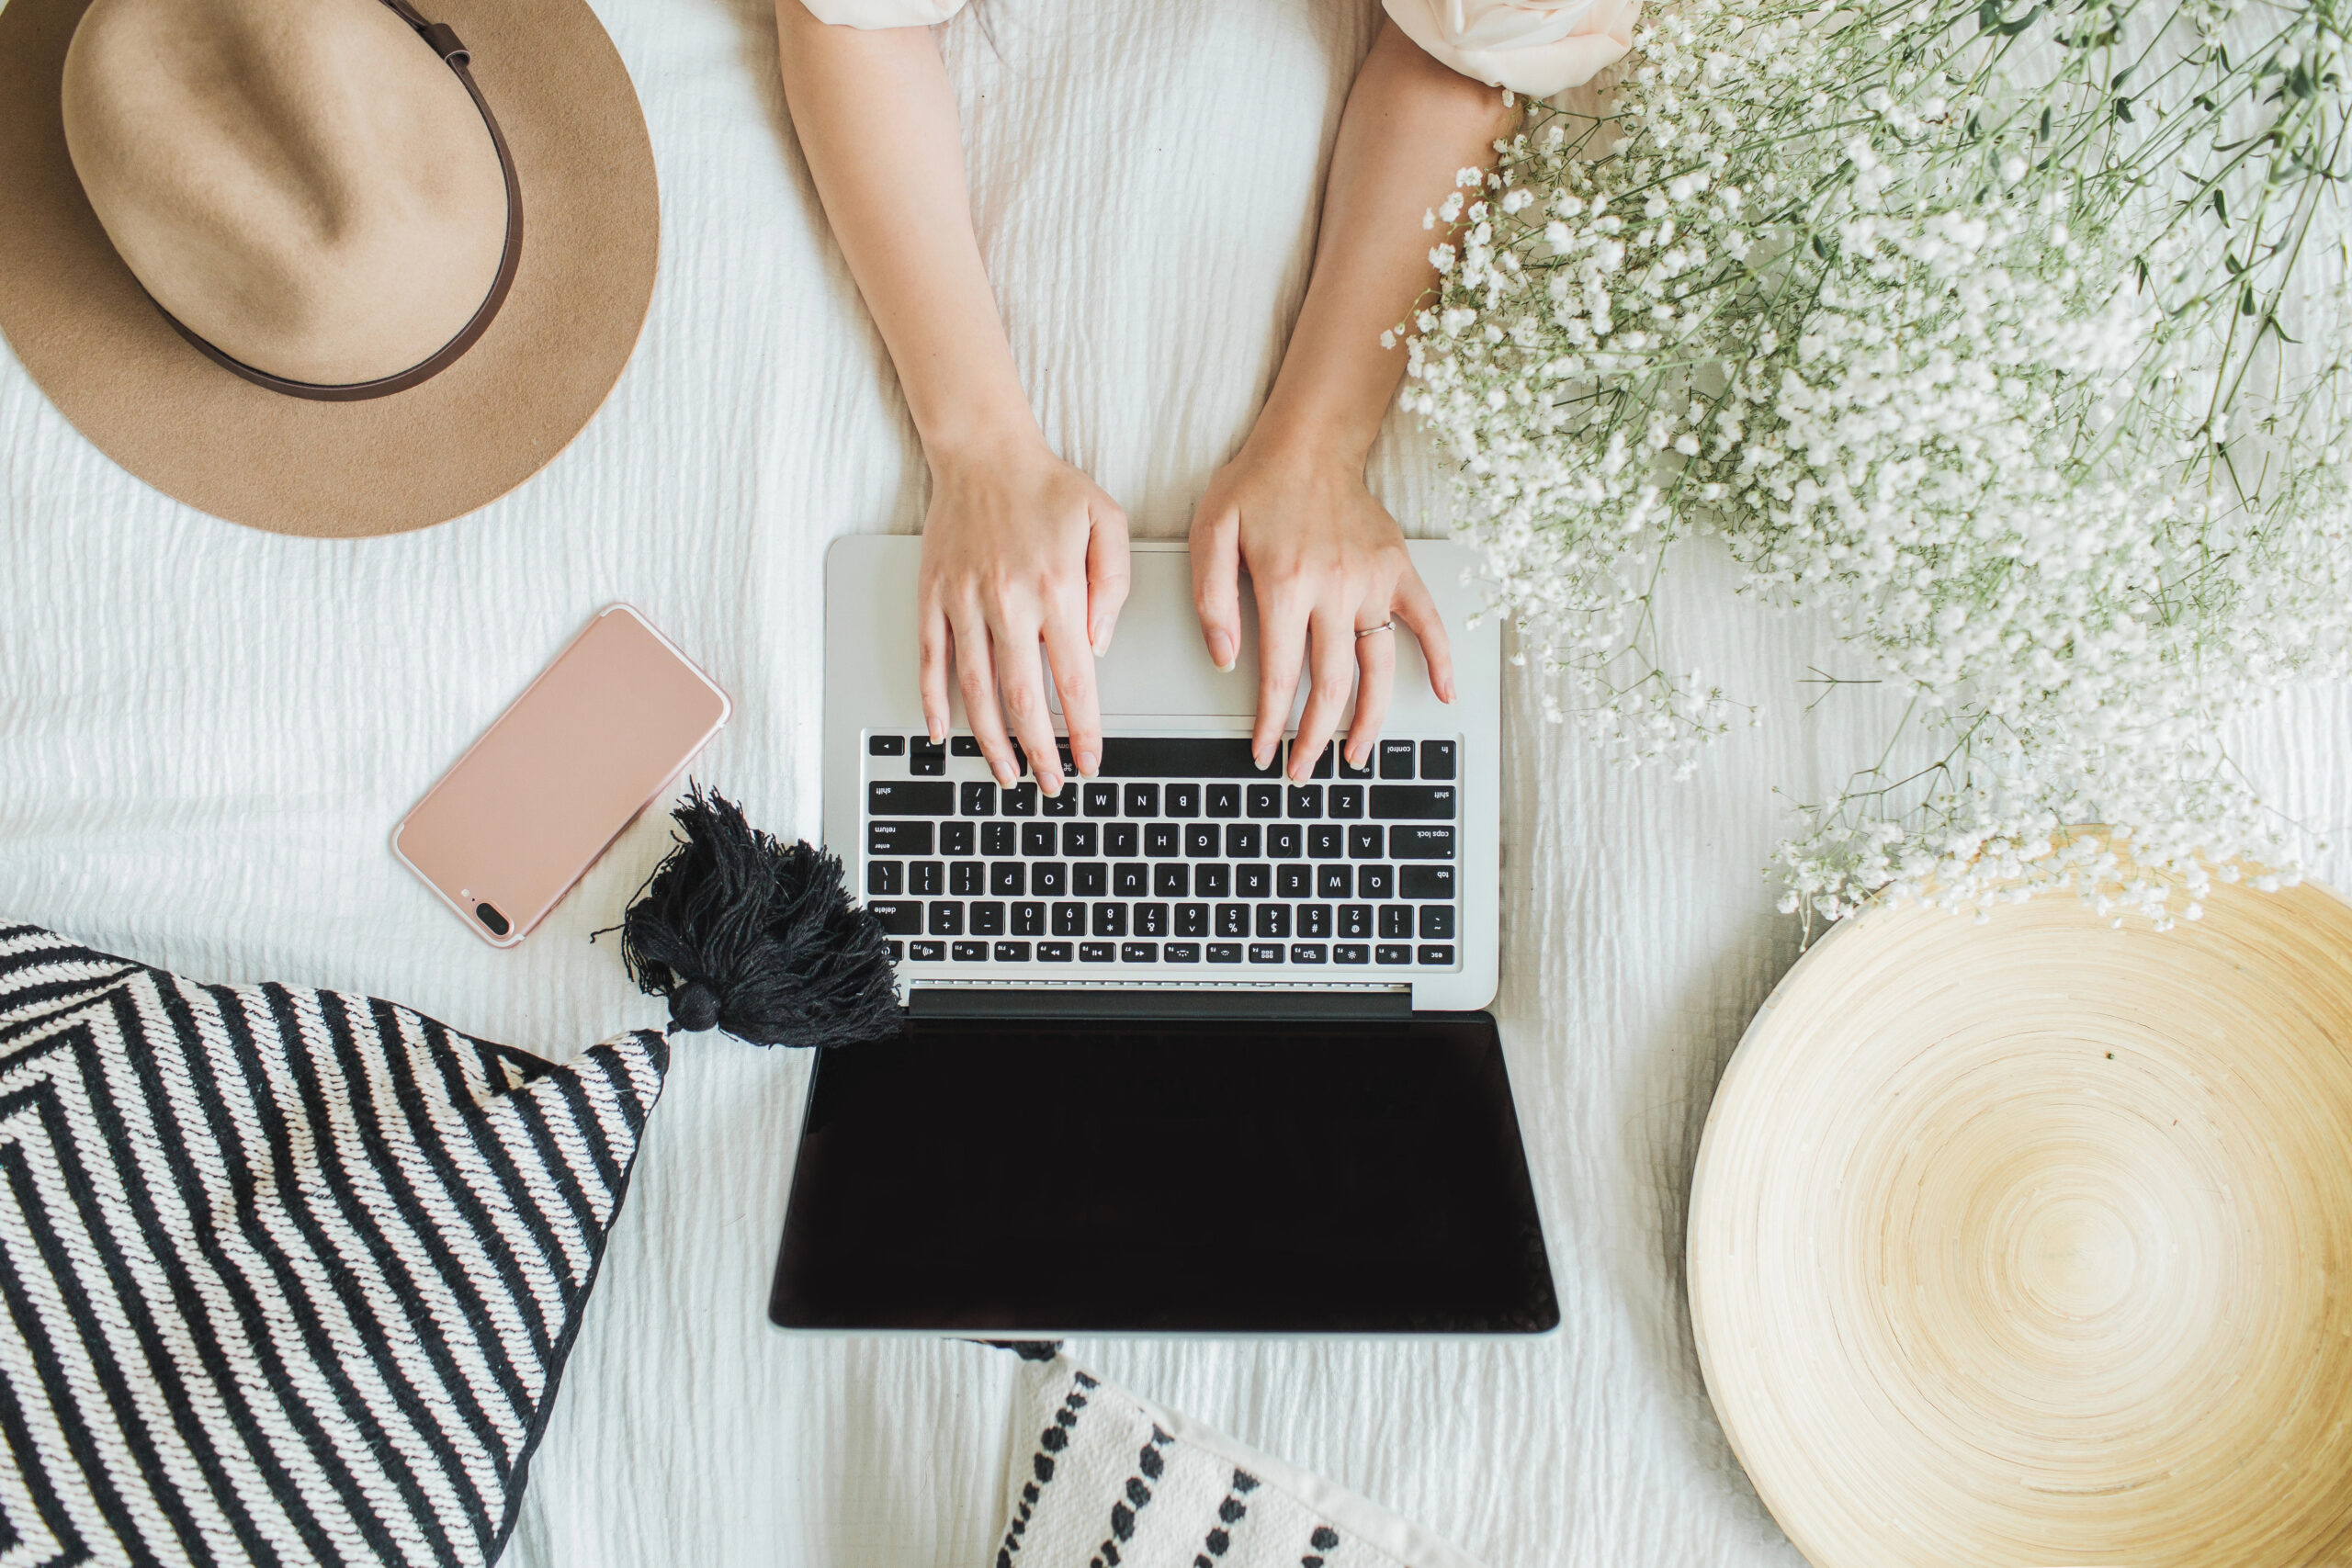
443	42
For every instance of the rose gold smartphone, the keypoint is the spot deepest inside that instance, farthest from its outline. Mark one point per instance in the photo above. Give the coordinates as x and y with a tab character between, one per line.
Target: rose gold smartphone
591	744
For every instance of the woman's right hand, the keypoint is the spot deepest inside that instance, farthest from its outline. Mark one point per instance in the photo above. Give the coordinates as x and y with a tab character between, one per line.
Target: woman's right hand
1019	549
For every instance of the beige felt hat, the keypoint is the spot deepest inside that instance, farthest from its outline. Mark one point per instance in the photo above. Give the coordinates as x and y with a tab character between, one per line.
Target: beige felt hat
332	268
2031	1242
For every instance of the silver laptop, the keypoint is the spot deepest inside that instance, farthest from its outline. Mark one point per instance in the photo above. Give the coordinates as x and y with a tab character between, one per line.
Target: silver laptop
1185	989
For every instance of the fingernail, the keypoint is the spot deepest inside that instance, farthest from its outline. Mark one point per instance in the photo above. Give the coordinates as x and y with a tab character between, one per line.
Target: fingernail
1101	638
1221	650
1051	785
1090	763
938	733
1005	778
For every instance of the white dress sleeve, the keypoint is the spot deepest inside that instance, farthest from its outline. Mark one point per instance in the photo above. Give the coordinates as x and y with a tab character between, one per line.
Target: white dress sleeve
1532	47
883	13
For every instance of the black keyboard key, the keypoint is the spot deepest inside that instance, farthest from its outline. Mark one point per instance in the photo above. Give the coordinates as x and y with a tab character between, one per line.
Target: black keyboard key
1101	800
1174	881
1284	841
1201	840
986	918
898	919
1053	953
1294	881
1315	920
1020	800
962	746
1309	953
927	952
927	878
1049	879
1070	919
1325	840
1233	920
1224	953
1142	800
1355	919
1182	951
1386	953
886	878
1138	952
956	838
907	797
971	951
1396	921
1265	953
1008	878
1062	805
1366	842
1305	800
1437	759
1322	769
1181	757
1242	840
1436	953
978	799
897	838
1001	838
1162	839
1395	758
1012	953
1212	881
1425	882
1273	920
1152	920
1191	920
1090	879
967	878
1420	843
1130	881
946	920
1254	881
1118	838
1225	800
1375	882
1081	838
1038	839
926	758
1350	770
897	952
1437	922
1346	800
1098	951
1413	803
1344	952
1029	919
1110	920
885	745
1183	800
1265	800
1335	882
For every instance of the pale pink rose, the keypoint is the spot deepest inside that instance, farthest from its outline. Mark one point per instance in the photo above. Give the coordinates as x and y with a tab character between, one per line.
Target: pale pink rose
1535	47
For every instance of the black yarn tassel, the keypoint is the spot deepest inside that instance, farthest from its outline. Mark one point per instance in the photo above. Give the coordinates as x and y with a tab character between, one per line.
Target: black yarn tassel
745	932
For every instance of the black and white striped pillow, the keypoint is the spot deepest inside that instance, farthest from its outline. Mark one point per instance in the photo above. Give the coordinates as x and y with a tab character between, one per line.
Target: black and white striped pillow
286	1275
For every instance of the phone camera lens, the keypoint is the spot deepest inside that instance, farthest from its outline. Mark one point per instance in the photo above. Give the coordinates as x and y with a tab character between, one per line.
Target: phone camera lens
492	919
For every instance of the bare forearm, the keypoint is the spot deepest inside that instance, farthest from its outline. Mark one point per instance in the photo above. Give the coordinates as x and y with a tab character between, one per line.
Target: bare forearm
1409	125
877	122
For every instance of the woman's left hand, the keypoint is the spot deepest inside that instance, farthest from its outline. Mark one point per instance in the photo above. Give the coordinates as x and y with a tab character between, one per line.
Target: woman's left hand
1325	561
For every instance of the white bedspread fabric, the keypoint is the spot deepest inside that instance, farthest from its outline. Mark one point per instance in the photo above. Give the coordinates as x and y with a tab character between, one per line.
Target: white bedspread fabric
207	734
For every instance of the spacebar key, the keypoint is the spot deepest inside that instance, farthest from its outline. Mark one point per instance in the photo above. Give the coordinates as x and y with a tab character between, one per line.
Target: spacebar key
1181	757
910	797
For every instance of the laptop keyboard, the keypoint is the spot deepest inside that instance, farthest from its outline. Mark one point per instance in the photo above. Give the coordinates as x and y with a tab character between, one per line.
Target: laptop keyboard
1180	853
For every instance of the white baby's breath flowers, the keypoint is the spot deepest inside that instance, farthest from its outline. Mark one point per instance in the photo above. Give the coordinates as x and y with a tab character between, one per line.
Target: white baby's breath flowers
2009	343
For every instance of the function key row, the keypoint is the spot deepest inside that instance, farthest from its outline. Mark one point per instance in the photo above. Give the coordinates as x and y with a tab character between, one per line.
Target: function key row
1145	801
1181	757
1385	953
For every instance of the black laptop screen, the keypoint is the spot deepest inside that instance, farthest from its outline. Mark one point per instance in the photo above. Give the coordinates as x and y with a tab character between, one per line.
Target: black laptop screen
1211	1176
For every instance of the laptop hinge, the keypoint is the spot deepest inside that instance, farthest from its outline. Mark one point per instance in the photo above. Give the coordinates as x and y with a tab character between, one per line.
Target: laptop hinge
991	1002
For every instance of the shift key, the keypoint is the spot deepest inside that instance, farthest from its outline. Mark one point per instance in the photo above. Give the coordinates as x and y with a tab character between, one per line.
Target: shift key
910	797
1419	841
1412	803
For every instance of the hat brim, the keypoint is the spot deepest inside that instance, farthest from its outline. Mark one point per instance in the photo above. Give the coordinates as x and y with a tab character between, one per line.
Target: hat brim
96	345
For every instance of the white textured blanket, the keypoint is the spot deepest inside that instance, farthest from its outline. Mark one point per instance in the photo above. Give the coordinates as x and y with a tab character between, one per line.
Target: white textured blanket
206	735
